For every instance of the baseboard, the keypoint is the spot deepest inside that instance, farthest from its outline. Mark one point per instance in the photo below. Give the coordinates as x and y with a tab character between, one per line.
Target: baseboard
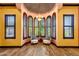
43	43
10	46
26	43
53	44
67	46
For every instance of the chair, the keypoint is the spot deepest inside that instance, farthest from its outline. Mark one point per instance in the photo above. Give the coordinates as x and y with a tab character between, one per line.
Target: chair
47	40
34	40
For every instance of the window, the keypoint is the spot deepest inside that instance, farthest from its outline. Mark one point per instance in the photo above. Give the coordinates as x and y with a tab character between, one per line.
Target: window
48	26
10	26
24	26
53	34
68	26
42	29
30	24
36	27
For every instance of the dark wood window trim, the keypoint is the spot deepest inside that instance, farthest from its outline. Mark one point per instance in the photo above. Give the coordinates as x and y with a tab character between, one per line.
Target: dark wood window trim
68	26
28	25
52	27
24	15
44	27
10	26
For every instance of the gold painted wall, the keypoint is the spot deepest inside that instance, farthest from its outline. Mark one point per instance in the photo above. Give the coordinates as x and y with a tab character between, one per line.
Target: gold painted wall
10	10
60	40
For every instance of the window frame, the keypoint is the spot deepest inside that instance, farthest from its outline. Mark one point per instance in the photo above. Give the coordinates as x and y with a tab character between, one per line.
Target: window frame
53	26
28	26
24	26
10	26
43	26
72	26
47	25
36	27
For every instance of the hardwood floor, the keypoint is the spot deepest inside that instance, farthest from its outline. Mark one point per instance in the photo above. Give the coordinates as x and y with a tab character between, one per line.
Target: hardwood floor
39	50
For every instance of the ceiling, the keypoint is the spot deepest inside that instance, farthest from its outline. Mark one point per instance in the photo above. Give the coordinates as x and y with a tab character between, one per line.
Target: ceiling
39	7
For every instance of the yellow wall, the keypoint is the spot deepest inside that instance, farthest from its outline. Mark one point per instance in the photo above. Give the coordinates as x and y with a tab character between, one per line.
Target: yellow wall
60	40
10	10
19	26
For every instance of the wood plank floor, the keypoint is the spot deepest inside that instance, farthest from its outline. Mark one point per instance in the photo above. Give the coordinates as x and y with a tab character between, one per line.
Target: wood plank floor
39	50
